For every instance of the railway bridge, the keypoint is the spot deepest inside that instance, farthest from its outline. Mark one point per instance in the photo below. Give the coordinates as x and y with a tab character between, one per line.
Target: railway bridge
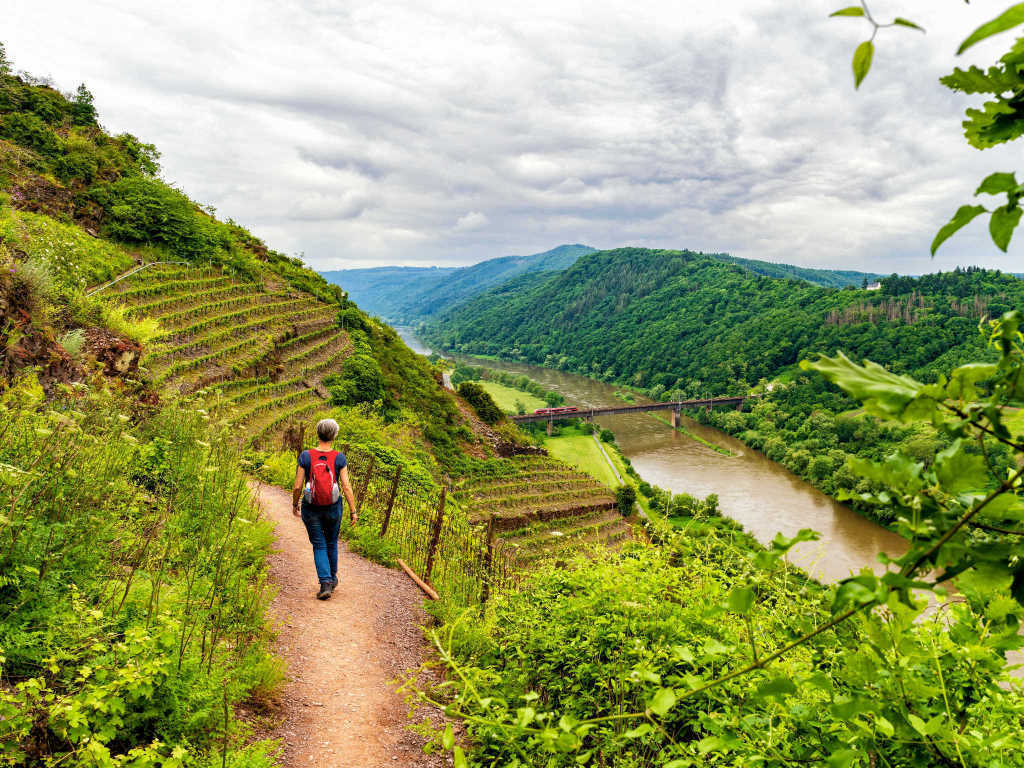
676	407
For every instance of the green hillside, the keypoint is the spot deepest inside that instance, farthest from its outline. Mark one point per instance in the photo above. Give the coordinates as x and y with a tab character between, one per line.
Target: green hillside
412	294
826	278
688	323
152	359
385	291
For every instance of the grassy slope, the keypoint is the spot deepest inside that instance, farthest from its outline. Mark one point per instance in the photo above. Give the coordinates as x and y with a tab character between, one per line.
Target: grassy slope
582	452
506	397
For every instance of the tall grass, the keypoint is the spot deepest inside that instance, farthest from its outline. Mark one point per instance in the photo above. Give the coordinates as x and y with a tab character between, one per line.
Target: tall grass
132	586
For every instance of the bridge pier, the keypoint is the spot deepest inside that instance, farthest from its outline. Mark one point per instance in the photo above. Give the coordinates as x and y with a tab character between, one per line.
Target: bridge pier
551	427
676	413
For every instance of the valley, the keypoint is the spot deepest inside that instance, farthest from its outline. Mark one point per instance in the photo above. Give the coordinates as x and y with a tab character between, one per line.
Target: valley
761	495
826	569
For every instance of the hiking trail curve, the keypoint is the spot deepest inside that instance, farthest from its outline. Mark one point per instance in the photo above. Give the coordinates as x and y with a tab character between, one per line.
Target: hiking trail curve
339	704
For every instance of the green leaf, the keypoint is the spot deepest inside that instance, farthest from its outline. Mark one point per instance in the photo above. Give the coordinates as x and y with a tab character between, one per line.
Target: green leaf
996	183
777	687
1009	19
901	22
741	600
460	758
844	758
641	730
662	702
853	10
525	716
783	544
862	61
884	726
974	80
918	724
959	471
448	738
964	215
1002	224
678	763
886	393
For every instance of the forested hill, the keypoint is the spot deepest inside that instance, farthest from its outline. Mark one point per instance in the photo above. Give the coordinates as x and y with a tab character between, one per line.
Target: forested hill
688	323
408	294
827	278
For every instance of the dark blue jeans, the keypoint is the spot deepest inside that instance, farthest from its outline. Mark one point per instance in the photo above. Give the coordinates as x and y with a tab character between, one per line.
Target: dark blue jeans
322	524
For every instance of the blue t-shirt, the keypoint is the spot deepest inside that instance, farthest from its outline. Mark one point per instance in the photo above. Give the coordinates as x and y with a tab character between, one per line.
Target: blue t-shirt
306	462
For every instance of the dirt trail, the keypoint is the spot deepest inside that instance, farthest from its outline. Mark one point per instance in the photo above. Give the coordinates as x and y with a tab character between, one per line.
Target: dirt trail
339	706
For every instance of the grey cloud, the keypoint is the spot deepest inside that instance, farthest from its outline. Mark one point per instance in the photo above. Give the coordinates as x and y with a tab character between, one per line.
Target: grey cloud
363	133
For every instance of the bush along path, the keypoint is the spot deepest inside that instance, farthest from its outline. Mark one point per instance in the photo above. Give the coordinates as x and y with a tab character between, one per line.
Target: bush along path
340	706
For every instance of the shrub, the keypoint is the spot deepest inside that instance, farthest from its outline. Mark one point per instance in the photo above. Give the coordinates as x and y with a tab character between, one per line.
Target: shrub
360	381
625	499
73	342
141	330
607	436
30	131
139	209
477	397
133	592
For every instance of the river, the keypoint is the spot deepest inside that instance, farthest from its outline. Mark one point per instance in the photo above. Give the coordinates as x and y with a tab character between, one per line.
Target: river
765	497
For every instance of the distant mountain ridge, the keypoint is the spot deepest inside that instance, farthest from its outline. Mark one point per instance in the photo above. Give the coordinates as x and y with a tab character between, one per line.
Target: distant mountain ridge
691	322
411	294
826	278
415	294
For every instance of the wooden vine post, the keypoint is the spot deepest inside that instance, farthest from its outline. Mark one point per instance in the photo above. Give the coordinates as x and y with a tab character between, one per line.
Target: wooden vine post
485	592
435	536
365	486
391	501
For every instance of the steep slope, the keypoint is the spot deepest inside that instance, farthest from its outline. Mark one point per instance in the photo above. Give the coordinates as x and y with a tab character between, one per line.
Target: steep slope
688	323
409	294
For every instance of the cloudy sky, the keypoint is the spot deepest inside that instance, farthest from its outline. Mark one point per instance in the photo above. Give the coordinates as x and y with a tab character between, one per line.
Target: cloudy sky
374	132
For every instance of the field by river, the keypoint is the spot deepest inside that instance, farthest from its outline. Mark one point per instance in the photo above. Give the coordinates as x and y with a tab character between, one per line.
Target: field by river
765	497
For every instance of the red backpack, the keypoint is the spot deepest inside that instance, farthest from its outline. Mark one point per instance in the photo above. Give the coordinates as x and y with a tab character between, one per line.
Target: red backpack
323	485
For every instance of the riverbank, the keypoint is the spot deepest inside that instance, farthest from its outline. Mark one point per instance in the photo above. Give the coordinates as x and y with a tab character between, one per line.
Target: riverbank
763	496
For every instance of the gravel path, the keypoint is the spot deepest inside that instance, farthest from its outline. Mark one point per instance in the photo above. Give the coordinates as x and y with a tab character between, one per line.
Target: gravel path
339	704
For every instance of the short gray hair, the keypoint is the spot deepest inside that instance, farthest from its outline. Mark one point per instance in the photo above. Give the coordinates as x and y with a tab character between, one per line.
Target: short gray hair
327	430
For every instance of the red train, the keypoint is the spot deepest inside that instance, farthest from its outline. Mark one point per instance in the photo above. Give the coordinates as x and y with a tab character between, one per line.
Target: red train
555	411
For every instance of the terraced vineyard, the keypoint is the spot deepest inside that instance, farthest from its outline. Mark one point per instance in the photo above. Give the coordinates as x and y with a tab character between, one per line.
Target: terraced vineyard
264	346
542	508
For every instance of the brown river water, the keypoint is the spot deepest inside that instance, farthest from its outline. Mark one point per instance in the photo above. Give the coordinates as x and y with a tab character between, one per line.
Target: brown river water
763	496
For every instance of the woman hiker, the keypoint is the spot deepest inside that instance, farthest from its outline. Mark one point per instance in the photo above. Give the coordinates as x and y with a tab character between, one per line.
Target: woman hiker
320	480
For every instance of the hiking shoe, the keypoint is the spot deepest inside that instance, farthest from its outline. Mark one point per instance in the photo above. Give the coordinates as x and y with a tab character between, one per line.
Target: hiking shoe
334	582
326	587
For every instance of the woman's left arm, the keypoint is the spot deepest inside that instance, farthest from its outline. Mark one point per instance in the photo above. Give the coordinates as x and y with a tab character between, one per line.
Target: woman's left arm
346	488
300	477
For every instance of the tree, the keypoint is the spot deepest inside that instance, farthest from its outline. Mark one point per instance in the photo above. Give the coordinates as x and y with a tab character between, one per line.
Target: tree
481	402
360	381
625	499
5	63
83	111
